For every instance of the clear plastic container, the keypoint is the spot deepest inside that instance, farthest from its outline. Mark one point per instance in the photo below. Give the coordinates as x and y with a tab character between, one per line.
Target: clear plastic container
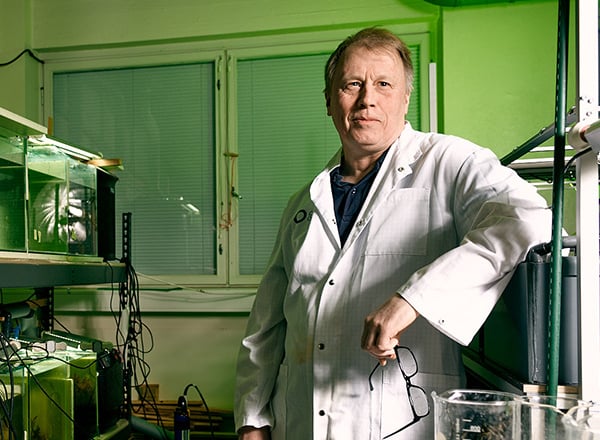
48	200
82	208
12	192
582	422
541	416
476	415
62	203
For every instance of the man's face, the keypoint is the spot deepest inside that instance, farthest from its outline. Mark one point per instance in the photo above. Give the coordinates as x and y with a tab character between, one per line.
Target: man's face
368	100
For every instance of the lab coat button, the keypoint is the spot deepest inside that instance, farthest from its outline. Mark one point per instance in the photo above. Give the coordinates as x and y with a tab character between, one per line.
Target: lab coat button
321	346
321	413
441	322
331	282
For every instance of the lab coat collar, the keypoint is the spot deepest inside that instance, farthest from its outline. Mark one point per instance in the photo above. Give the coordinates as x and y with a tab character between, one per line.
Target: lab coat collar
396	166
404	151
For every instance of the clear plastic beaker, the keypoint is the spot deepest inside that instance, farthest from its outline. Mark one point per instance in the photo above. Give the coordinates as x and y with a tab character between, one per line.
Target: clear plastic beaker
541	416
582	422
476	415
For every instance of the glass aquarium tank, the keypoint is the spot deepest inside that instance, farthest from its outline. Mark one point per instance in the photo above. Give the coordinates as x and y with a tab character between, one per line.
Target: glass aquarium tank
12	192
48	193
82	210
48	199
51	398
62	202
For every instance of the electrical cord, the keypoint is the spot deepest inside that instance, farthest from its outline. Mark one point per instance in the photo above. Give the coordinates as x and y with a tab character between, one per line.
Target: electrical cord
569	164
210	420
32	300
6	415
8	412
132	343
576	156
25	51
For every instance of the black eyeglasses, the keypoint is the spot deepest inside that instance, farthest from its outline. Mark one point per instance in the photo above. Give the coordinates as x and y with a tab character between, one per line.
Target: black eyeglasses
416	395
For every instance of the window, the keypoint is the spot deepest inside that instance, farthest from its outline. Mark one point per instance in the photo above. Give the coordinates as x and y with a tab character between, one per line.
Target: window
212	149
160	122
284	137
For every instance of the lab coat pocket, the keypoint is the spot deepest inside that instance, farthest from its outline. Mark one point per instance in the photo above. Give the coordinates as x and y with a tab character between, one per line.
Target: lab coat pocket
394	404
278	404
395	407
400	223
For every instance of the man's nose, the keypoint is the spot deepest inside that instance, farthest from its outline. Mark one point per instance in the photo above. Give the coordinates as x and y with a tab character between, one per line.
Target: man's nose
367	95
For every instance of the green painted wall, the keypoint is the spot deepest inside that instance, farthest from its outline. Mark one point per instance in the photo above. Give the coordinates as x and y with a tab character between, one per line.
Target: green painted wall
499	66
19	82
66	23
495	62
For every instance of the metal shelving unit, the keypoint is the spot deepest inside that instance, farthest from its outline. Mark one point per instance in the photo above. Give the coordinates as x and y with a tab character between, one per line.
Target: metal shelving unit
39	273
23	267
585	179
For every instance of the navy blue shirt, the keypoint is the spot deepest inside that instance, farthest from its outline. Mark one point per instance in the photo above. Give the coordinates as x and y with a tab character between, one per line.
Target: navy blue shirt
348	198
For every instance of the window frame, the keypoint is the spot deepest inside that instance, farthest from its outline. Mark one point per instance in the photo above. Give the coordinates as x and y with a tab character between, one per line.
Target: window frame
123	59
314	48
225	53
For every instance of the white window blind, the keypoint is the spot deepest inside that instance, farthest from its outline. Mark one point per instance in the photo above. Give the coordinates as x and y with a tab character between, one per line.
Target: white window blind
160	122
284	138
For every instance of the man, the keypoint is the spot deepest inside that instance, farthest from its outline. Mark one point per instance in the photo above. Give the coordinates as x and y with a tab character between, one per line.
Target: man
405	238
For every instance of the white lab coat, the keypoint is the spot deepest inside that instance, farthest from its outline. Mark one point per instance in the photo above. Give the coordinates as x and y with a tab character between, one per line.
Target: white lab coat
443	225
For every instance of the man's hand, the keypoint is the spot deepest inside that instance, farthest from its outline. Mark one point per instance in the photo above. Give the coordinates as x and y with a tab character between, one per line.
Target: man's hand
384	326
252	433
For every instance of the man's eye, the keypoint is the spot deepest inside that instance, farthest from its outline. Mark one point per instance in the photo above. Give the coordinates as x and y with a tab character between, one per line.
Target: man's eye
353	84
384	83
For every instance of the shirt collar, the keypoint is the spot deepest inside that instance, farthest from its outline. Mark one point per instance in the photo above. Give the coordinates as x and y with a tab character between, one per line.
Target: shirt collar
336	176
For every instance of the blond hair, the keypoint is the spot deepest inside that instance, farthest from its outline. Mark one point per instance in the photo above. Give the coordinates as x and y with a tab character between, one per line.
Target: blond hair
372	39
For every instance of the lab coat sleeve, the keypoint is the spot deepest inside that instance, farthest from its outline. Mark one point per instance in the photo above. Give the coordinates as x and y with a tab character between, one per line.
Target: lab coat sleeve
498	217
262	348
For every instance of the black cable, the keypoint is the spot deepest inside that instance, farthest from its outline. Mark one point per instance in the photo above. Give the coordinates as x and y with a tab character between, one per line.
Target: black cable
72	365
132	344
136	346
5	344
576	156
26	345
7	416
56	321
569	164
25	51
210	420
8	412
